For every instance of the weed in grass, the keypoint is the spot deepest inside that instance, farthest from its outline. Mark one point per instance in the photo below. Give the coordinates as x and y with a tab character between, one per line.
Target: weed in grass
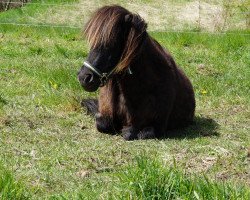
3	101
10	189
150	179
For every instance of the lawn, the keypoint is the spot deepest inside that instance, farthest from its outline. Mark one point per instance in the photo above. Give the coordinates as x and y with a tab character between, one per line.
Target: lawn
51	150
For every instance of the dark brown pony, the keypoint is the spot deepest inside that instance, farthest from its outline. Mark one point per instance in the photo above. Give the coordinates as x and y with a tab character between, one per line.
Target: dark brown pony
143	93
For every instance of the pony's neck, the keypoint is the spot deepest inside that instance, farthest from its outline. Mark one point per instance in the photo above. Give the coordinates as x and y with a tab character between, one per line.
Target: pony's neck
140	66
145	55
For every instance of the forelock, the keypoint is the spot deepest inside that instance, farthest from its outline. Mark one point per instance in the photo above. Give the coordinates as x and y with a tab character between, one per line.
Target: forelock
102	27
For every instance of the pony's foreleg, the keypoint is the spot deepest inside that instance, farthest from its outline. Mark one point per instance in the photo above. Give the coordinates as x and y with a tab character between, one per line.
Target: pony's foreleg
130	133
105	124
147	133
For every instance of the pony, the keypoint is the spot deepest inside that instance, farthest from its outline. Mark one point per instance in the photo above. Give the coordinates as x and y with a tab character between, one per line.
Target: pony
143	94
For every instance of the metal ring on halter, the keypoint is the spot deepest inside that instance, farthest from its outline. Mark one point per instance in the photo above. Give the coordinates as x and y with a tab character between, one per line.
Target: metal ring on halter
103	76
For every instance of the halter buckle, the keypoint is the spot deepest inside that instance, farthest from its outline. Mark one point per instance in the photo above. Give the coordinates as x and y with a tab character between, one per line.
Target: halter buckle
103	79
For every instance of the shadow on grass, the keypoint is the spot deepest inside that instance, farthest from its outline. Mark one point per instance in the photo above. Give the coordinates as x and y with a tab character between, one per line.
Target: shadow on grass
202	127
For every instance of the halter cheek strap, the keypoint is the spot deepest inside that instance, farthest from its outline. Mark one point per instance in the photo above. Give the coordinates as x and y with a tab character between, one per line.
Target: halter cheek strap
102	76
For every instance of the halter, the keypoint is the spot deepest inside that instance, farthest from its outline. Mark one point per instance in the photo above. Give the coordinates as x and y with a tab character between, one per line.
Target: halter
102	76
105	75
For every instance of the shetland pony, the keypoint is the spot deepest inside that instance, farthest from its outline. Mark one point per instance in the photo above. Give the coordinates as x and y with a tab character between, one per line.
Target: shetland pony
143	93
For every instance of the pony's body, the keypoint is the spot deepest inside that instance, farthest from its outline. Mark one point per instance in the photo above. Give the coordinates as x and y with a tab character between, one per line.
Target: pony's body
156	97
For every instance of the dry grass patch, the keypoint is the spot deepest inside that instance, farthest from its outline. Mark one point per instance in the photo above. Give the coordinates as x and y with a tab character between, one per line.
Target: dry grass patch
160	15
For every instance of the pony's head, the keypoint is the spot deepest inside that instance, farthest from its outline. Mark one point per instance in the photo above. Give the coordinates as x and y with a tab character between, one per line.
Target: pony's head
114	35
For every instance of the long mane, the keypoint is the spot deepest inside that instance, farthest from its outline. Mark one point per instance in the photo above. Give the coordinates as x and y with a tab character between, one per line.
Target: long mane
102	29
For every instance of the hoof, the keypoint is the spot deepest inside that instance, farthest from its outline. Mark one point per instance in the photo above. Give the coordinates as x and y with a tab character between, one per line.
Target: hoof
147	133
104	124
129	134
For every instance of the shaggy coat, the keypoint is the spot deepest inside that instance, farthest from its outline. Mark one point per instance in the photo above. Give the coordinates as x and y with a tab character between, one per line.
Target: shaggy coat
155	98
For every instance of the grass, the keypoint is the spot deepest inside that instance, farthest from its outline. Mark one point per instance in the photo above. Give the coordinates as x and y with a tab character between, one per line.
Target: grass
9	188
212	16
151	180
48	143
145	179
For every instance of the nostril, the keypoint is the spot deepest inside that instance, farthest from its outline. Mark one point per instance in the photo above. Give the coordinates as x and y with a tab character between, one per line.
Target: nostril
88	78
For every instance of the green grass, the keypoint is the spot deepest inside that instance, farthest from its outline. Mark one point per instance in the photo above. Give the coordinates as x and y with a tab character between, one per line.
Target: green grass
149	179
10	188
49	143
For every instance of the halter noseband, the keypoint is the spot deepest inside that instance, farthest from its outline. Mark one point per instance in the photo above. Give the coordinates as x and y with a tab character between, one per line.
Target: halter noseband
102	76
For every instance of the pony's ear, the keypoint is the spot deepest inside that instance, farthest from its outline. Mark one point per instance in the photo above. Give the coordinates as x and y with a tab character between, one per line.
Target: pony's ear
137	28
135	21
138	23
128	18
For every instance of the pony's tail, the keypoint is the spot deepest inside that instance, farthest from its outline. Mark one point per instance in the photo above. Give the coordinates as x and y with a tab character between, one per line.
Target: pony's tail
91	105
